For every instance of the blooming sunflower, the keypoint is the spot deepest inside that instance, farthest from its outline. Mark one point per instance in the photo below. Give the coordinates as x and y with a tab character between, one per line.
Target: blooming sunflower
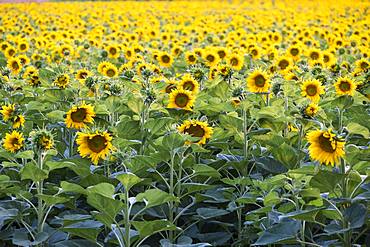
325	147
7	111
181	98
189	83
165	59
258	82
312	89
235	61
96	145
82	74
78	116
110	71
190	57
13	141
311	110
345	86
113	51
15	65
362	64
18	121
198	129
211	58
62	81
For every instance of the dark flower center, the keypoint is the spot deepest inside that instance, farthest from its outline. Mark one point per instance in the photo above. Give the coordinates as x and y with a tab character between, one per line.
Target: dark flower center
259	80
181	100
311	90
344	86
326	144
234	61
210	58
110	72
195	131
191	58
113	51
294	51
189	85
97	143
314	55
165	59
79	115
283	64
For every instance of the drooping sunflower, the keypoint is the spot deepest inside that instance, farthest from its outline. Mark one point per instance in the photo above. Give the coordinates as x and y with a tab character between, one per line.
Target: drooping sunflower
311	110
13	141
96	145
258	82
189	83
15	65
165	59
82	74
7	111
362	65
62	81
181	98
18	121
345	86
198	129
312	89
235	61
325	147
78	116
34	80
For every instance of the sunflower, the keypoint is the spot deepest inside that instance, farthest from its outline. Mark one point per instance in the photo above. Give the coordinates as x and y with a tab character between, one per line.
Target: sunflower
312	89
78	116
197	129
345	86
15	65
211	58
258	82
110	70
113	51
42	139
18	121
189	83
13	141
34	80
311	110
62	81
24	59
7	111
314	54
23	46
294	52
171	85
102	66
190	57
96	145
165	59
362	65
181	98
235	61
284	63
82	74
325	147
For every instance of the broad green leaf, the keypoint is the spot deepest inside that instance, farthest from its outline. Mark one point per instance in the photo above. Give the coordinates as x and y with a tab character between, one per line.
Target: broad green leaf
104	189
52	200
71	187
356	215
285	230
24	155
307	215
128	180
56	115
155	197
31	171
108	207
355	128
53	165
207	213
272	198
147	228
204	170
326	181
88	229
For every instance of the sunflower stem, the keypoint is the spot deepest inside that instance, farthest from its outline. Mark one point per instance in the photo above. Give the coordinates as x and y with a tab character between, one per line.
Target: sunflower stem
171	190
346	235
127	219
71	143
40	204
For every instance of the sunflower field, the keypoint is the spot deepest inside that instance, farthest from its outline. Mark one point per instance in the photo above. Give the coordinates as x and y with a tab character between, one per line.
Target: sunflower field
185	123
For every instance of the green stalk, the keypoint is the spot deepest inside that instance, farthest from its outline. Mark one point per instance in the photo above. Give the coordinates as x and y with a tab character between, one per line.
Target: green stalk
127	219
171	190
347	235
71	143
40	204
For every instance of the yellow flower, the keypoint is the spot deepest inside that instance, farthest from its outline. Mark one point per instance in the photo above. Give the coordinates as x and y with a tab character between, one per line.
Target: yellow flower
165	59
15	65
42	139
325	147
82	74
211	58
180	98
110	71
235	61
79	116
18	121
362	65
345	86
258	82
312	89
13	141
191	57
96	145
189	83
62	81
7	111
113	51
311	110
196	129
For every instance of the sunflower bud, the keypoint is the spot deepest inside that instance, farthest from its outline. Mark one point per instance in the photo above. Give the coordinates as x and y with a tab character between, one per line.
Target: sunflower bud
42	139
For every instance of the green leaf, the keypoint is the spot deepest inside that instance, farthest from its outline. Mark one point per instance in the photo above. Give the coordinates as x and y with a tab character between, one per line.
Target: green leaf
31	171
75	243
24	155
108	207
355	215
70	187
128	180
136	105
204	170
207	213
56	116
157	125
88	229
172	141
155	197
307	215
271	198
286	154
147	228
355	128
326	181
52	200
104	189
53	165
285	230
